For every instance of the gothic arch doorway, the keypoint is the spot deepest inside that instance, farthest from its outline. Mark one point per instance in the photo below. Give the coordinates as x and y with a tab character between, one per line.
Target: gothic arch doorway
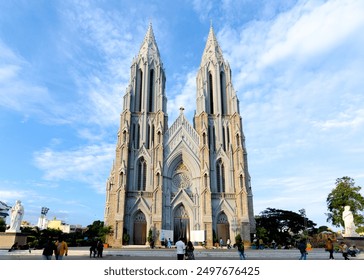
181	224
140	229
223	227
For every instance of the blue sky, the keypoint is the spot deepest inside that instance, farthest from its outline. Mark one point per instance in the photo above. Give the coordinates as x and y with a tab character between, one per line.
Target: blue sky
298	68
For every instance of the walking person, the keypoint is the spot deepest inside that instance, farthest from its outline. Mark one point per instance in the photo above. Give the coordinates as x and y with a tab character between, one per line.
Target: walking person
344	250
61	249
228	243
93	249
302	247
240	246
180	246
169	243
330	248
100	248
48	249
189	255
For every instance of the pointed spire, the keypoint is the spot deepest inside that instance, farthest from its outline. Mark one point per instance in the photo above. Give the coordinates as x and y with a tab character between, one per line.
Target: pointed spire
149	44
212	49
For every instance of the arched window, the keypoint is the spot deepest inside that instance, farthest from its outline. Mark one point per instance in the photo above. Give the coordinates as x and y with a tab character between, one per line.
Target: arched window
220	176
241	181
142	174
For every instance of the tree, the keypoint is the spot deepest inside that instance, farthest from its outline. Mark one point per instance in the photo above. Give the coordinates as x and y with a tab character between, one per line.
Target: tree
97	230
2	225
282	225
345	193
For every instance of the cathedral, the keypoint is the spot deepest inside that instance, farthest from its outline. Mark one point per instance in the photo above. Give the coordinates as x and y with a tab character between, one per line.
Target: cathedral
186	180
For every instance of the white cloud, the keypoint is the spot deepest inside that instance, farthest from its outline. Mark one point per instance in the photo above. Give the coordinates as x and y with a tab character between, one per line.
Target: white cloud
309	30
88	164
182	95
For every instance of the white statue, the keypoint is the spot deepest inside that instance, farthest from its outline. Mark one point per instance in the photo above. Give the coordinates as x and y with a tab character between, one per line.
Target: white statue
349	223
16	216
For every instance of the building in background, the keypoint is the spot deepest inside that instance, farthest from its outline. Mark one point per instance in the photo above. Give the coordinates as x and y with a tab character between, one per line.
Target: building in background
186	180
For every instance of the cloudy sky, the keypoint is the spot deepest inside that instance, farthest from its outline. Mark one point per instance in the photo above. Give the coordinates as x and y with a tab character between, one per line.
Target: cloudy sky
298	68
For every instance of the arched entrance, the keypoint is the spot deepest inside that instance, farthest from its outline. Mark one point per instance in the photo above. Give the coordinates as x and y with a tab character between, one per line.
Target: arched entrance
140	229
181	224
222	227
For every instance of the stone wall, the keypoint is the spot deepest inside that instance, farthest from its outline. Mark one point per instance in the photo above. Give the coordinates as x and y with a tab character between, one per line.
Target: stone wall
7	239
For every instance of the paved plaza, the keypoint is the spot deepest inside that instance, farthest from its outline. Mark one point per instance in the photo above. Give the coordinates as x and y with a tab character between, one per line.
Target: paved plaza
143	253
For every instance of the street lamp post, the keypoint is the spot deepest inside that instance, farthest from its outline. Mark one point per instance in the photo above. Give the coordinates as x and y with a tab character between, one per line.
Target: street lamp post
42	219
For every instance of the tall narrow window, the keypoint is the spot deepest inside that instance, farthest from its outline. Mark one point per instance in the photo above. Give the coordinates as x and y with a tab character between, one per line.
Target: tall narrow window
132	133
151	90
142	174
118	203
213	138
241	181
223	138
237	140
137	139
152	136
139	91
223	92
220	176
147	141
211	94
228	135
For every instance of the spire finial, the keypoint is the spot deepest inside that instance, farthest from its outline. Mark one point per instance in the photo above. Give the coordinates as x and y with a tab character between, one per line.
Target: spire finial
181	109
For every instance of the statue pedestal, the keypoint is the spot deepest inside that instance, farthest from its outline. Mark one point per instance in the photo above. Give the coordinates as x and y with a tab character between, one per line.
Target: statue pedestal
7	239
350	241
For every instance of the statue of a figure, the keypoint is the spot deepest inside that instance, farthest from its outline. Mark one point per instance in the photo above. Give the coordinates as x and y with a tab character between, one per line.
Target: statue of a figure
16	216
349	223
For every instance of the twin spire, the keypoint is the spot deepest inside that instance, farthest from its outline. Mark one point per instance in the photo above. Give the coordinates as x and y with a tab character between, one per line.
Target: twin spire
212	51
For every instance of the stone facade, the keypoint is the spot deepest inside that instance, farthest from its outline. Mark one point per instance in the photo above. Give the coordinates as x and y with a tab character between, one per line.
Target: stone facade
182	179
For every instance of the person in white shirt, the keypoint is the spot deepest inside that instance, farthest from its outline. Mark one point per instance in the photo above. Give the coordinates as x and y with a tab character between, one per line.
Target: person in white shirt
181	246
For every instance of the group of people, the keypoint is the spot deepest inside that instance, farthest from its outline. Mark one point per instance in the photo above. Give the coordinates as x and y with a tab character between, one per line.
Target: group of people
96	249
186	252
59	248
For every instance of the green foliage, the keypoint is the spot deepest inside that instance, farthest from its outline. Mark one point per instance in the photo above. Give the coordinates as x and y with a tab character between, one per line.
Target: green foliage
97	230
2	225
126	238
238	238
345	193
150	235
282	226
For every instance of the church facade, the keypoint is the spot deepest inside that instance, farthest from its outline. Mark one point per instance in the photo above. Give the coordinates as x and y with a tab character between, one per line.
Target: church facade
186	180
